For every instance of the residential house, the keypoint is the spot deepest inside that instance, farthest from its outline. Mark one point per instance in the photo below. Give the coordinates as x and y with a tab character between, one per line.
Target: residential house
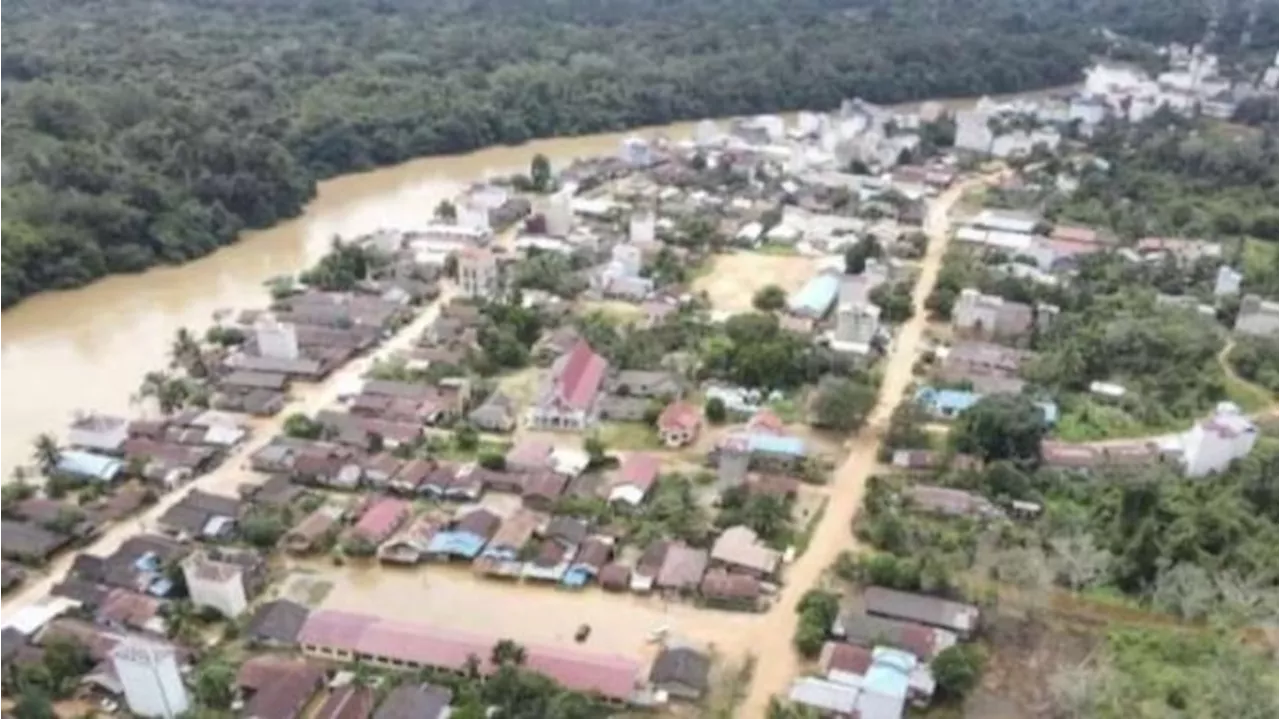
649	566
98	432
411	476
979	315
29	543
615	577
829	698
277	623
415	701
124	610
542	489
411	544
568	401
200	514
307	534
377	470
681	672
148	674
216	584
353	701
634	478
618	408
679	424
1258	317
738	549
277	688
957	617
502	556
951	502
682	569
589	562
814	300
479	274
466	537
381	519
497	413
990	368
950	403
913	460
727	590
529	455
89	465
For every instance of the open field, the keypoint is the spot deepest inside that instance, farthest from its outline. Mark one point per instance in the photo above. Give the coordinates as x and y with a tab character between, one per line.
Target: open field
735	278
454	597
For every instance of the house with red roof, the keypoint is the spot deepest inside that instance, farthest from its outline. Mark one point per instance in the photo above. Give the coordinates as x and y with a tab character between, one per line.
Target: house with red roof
571	392
634	478
382	519
679	424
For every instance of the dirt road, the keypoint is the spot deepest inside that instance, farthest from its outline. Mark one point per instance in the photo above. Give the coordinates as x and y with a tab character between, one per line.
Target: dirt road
776	660
308	399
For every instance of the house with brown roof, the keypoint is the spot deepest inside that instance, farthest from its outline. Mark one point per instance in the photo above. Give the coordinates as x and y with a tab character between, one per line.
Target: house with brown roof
201	514
989	368
307	534
649	566
410	545
29	542
568	400
381	519
951	502
278	688
867	631
128	610
277	623
353	701
411	476
415	701
589	562
682	569
529	455
503	555
379	469
679	424
682	672
615	577
542	489
729	590
498	413
463	484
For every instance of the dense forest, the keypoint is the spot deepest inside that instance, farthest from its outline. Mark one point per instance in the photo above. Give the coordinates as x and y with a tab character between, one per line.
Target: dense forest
141	133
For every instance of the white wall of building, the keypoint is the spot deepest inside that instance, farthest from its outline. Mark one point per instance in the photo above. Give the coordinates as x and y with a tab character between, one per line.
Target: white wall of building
215	584
276	339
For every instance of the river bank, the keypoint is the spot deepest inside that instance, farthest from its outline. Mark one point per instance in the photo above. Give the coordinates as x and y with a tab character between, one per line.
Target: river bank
88	349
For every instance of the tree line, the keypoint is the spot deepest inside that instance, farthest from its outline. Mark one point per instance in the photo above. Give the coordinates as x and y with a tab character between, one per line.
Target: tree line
139	137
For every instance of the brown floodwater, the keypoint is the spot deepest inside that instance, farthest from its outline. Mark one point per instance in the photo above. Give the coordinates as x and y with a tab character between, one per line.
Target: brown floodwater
88	349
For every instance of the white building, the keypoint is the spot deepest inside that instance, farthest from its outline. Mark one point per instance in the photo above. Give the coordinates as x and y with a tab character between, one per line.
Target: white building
444	233
1214	443
636	151
149	674
627	260
1258	317
276	339
215	584
706	133
973	133
642	227
478	273
560	214
1227	282
856	326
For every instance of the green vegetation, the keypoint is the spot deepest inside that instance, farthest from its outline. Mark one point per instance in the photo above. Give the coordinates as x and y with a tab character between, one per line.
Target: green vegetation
817	610
768	515
957	670
1000	426
843	404
140	137
769	298
1255	359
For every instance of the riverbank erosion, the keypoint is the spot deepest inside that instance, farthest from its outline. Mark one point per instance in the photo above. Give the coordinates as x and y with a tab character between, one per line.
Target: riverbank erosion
115	177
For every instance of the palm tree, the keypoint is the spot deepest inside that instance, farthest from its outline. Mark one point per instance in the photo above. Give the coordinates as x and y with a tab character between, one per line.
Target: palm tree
46	453
181	622
507	652
472	667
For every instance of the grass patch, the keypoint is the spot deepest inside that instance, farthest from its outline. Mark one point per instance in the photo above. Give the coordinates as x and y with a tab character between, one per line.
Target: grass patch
628	436
1250	397
806	535
1088	421
790	409
521	385
777	249
729	688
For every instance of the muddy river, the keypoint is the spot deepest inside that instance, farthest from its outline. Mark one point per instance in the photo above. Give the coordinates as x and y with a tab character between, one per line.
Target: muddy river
88	349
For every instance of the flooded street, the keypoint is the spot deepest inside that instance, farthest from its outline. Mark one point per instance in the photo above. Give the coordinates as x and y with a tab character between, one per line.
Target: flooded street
533	613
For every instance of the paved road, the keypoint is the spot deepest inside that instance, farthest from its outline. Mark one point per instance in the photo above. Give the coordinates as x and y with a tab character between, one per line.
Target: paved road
308	399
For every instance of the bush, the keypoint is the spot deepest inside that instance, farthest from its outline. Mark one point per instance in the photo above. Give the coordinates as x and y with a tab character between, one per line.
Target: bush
957	669
300	426
715	411
818	609
492	461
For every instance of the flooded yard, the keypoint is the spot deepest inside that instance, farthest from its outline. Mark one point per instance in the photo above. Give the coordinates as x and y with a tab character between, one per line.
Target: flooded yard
735	278
455	597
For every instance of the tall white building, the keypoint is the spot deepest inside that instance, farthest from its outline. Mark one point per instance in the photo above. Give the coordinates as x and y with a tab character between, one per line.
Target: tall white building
635	151
478	273
627	260
856	326
1214	443
215	584
276	339
148	671
560	214
1227	282
972	131
642	227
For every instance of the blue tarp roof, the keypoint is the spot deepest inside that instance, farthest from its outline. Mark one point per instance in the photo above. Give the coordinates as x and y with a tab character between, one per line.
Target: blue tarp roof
774	444
816	296
89	464
461	544
955	401
889	673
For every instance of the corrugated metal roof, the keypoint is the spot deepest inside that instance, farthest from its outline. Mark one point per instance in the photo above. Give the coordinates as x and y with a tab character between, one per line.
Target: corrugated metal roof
817	295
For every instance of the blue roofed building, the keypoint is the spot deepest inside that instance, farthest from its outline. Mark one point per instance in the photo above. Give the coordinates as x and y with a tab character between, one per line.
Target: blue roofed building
949	403
463	545
814	300
89	465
